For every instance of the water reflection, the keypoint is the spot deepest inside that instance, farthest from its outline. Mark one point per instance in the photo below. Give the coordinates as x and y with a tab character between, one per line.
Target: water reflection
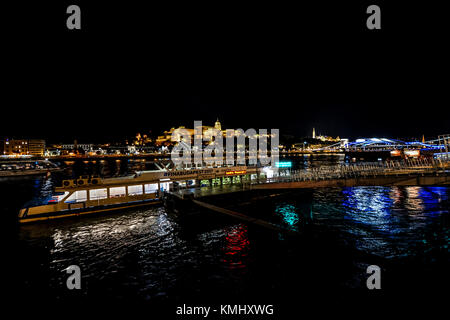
236	246
149	253
368	206
142	251
288	214
109	249
413	200
432	196
393	221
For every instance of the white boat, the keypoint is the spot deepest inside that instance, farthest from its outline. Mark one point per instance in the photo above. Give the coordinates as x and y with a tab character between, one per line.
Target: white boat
93	195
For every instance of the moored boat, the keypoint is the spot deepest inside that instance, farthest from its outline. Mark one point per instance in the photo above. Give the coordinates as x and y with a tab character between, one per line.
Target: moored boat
94	195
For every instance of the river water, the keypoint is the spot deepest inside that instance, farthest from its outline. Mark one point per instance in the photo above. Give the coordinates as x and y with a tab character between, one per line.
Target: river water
155	256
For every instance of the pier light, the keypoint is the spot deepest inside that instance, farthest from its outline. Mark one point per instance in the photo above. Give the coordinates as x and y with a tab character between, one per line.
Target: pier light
235	172
412	153
284	164
268	171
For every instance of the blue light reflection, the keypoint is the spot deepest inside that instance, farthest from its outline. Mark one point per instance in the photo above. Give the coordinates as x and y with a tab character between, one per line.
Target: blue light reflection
288	213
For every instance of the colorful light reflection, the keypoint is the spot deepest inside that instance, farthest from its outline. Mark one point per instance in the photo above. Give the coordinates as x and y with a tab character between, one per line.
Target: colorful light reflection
289	214
236	247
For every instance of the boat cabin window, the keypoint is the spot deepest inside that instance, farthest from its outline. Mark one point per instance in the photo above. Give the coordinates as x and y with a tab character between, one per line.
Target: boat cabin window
165	186
97	194
57	197
117	192
151	188
77	196
135	190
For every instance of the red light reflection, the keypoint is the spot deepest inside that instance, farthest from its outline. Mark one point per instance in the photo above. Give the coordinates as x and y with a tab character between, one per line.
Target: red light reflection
236	247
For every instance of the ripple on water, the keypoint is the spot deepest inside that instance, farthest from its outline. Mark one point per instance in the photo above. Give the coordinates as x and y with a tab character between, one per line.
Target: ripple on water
150	253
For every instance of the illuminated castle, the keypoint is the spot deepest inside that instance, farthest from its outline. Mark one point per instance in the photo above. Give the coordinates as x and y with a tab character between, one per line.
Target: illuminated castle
324	138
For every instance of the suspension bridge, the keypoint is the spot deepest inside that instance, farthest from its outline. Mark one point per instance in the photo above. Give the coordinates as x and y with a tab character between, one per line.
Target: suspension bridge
440	144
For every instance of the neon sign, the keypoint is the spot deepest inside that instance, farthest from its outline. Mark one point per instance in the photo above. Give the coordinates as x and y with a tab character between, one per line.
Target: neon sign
234	172
283	164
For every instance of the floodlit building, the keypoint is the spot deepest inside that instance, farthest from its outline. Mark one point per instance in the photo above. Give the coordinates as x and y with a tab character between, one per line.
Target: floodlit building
323	137
169	137
86	147
34	147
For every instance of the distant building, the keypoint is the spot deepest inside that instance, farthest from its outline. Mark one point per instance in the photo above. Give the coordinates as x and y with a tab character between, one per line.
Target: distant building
323	137
36	147
327	138
15	147
166	138
142	140
87	147
33	147
170	136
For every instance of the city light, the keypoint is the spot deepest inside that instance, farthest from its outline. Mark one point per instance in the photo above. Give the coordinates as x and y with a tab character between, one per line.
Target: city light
284	164
229	173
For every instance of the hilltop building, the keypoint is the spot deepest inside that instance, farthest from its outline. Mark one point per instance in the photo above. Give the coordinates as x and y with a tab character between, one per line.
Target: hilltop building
168	137
323	137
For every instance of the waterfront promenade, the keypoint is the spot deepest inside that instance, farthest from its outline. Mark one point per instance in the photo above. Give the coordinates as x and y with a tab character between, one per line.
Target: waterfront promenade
414	172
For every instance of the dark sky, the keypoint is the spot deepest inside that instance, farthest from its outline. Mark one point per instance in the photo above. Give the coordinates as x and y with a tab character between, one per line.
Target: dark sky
134	68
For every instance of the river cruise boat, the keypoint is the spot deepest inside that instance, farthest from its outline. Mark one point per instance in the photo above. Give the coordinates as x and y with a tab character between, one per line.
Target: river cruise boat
87	195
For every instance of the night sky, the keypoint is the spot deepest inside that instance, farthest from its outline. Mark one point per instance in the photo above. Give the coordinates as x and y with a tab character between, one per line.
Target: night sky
135	68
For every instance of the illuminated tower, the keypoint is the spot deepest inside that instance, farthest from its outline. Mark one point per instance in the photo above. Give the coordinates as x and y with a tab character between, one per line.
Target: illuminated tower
217	125
314	133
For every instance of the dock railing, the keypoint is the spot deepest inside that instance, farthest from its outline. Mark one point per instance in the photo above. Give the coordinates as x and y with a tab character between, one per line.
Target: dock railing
354	170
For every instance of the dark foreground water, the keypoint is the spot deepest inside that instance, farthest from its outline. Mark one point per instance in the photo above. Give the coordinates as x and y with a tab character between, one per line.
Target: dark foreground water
163	259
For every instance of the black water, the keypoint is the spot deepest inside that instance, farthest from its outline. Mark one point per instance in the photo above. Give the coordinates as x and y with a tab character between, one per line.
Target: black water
159	258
